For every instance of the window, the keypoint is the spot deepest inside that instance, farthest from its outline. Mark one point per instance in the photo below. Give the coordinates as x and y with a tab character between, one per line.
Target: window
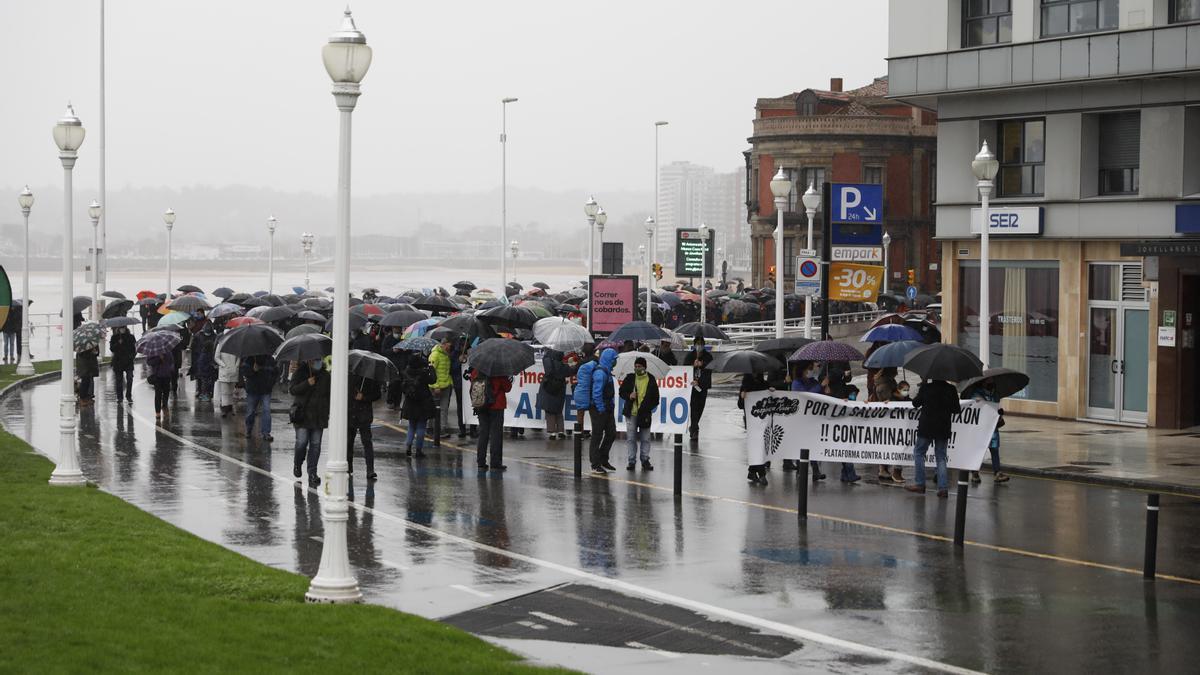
986	22
1023	327
1064	17
806	104
1185	10
933	180
1120	144
873	175
789	256
812	176
1022	158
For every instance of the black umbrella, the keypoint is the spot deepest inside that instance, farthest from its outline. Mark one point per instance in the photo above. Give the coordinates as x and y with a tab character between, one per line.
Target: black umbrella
318	304
709	331
354	321
638	330
781	346
402	318
354	302
253	302
500	357
114	294
303	329
223	292
517	317
467	285
372	366
305	348
746	361
442	333
120	321
542	285
273	300
252	339
188	303
188	288
238	298
468	325
117	308
149	301
1005	381
944	362
435	303
80	303
280	313
309	315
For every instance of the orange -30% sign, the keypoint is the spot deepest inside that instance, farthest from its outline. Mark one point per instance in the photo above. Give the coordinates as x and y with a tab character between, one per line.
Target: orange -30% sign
853	282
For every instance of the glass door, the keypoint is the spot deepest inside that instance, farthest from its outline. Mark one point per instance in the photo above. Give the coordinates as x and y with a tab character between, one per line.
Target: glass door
1103	364
1118	344
1135	363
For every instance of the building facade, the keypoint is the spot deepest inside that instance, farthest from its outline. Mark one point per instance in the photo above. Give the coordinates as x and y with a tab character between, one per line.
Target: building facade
690	194
855	136
1092	108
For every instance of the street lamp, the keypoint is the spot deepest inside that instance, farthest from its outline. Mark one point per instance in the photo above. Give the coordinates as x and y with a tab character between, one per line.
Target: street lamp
169	219
887	242
94	211
654	241
271	223
649	269
514	247
504	181
590	208
781	187
347	58
642	261
601	219
68	136
25	366
812	202
703	231
306	242
984	166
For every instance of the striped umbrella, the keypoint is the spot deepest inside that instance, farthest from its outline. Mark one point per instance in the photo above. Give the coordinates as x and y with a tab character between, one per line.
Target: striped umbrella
826	350
157	343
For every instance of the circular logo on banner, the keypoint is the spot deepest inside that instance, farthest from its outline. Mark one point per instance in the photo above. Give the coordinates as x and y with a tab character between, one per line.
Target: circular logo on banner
6	298
808	268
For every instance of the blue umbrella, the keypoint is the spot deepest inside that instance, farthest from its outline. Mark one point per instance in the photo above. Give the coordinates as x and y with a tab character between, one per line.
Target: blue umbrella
891	333
638	330
298	289
173	318
893	355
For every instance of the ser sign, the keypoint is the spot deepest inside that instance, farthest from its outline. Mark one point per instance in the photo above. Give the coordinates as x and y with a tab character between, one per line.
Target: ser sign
1024	221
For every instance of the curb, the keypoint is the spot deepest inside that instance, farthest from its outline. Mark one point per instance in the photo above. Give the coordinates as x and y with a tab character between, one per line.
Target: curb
1104	481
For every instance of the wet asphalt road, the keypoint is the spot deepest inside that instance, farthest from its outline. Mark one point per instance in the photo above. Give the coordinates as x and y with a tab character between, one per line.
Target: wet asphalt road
1050	578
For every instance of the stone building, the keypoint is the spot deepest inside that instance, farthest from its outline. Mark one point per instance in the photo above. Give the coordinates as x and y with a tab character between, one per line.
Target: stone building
855	136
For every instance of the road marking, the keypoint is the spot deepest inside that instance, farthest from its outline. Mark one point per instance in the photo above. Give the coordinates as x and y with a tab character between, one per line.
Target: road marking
531	624
660	652
554	619
472	591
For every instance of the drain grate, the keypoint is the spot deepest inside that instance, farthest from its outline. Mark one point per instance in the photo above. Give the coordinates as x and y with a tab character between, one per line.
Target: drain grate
579	613
1069	467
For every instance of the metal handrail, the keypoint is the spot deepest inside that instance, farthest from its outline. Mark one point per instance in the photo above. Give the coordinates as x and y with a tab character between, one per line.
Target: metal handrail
752	330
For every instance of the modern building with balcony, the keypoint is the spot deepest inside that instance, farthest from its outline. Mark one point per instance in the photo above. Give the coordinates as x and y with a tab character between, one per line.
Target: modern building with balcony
854	136
1092	108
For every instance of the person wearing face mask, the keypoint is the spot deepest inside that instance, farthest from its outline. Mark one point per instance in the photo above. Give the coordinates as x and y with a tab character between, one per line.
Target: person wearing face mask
639	396
363	339
310	415
807	382
122	346
698	359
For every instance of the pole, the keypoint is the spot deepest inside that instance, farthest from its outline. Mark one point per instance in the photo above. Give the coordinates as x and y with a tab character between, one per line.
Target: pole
103	236
25	366
96	271
678	488
578	444
780	203
985	315
808	298
66	471
960	508
802	486
826	255
169	228
1151	561
591	247
703	270
649	274
503	191
886	278
335	581
271	263
654	237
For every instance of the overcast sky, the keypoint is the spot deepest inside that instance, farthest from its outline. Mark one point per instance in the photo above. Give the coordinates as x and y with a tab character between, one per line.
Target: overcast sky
221	92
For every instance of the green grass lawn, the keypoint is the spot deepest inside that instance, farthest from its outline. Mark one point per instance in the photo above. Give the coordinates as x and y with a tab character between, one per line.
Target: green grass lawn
91	583
8	373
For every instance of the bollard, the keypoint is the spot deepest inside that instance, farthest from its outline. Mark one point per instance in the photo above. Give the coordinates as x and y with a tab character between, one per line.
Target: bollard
1151	536
960	508
678	465
578	444
802	484
437	426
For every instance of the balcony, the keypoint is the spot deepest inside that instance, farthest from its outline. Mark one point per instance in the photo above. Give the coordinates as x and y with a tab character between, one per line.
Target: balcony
1115	55
847	125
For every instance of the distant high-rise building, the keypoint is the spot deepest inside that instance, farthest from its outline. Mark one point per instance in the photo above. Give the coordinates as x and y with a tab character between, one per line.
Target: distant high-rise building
690	194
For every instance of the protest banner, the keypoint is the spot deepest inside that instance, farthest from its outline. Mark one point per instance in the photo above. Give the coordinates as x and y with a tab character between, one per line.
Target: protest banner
781	423
670	417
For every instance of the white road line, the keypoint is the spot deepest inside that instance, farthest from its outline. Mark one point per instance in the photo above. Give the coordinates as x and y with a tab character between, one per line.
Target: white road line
616	584
660	652
554	619
472	591
531	624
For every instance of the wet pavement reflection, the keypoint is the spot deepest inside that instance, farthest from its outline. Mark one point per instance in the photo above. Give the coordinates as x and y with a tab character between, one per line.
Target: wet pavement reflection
1049	580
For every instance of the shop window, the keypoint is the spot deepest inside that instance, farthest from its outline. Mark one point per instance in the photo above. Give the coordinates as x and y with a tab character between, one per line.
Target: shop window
1120	146
1185	10
1068	17
986	22
1022	158
1023	327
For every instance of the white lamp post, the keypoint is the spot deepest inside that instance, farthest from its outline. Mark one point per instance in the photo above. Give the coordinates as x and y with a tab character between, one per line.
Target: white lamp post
169	219
649	271
887	242
25	366
271	223
654	239
781	187
984	166
504	182
347	58
703	231
601	219
812	201
94	211
68	136
306	242
642	262
590	208
514	247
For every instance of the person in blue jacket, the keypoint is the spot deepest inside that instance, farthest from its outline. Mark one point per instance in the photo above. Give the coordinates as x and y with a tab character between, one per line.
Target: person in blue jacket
582	394
602	413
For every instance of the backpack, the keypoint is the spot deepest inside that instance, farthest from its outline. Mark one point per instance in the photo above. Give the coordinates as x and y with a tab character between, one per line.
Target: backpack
480	392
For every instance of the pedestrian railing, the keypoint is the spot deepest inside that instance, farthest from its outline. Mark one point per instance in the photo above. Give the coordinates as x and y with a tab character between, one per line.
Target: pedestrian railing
761	330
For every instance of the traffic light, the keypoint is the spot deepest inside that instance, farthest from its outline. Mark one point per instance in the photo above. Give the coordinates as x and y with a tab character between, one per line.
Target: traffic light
912	277
658	271
771	274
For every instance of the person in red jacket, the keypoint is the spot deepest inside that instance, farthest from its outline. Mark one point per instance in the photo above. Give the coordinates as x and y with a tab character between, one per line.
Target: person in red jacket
491	422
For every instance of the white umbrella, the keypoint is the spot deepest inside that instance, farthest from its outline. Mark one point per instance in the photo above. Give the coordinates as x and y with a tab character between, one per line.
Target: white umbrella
561	334
654	365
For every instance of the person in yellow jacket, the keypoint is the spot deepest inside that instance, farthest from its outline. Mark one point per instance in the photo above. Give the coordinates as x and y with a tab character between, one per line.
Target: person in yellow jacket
443	386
